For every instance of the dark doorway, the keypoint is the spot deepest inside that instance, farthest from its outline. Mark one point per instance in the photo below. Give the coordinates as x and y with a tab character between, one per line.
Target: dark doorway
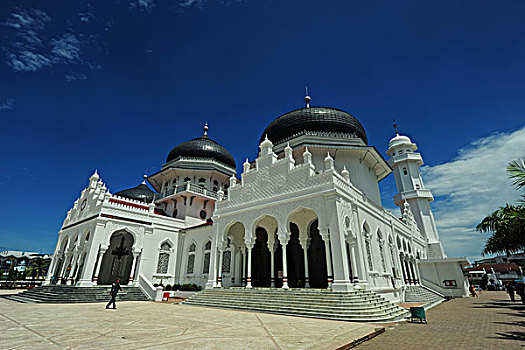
317	258
261	259
295	257
117	260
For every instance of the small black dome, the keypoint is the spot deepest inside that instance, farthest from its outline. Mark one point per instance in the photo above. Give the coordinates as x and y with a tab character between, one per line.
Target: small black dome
202	147
140	193
315	120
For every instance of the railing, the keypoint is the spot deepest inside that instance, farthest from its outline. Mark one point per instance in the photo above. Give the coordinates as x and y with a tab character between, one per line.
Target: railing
188	187
152	292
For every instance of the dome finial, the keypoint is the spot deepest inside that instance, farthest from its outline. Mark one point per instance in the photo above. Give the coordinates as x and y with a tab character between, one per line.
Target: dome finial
395	126
307	98
206	129
145	177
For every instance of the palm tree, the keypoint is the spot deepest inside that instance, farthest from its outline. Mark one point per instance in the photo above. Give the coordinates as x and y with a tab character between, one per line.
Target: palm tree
37	268
507	225
516	171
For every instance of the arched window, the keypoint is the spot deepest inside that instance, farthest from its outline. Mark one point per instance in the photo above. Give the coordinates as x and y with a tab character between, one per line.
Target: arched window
191	259
381	250
368	249
207	256
164	258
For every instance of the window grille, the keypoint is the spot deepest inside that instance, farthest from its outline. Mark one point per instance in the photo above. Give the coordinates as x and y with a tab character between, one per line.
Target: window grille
226	261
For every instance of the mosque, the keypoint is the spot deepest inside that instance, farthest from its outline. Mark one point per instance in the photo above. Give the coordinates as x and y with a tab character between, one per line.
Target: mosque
306	213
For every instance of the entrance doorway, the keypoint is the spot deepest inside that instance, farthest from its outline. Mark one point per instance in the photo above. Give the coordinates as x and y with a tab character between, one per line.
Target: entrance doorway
118	259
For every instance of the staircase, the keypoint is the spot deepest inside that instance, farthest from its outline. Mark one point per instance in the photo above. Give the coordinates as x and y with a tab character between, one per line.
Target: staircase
420	294
71	294
343	306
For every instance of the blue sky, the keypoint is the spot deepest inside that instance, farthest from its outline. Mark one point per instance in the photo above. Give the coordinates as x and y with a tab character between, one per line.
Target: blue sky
114	85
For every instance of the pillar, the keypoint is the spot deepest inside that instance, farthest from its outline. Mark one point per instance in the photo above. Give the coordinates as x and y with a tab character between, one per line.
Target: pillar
304	245
102	251
414	277
219	277
353	261
249	269
233	260
67	256
407	269
284	238
72	272
328	254
244	267
402	264
239	268
78	267
133	267
272	265
212	276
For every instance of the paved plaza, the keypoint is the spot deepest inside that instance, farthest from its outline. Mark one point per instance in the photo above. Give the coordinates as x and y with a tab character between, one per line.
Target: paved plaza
487	322
490	321
148	325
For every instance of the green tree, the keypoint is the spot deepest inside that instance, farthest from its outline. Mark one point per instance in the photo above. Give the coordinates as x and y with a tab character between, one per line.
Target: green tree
516	172
37	268
507	225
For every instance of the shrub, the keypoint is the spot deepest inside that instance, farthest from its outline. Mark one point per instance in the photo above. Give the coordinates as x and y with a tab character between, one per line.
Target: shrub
190	287
176	286
168	287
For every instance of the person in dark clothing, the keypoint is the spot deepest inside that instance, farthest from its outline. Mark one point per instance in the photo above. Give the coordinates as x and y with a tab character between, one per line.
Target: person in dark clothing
511	290
115	288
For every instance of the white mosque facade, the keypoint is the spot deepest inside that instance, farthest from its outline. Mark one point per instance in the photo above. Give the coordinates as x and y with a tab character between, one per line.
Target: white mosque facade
306	213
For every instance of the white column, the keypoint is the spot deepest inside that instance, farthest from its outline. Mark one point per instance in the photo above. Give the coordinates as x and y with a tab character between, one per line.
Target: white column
326	239
72	272
102	251
238	266
212	275
78	267
272	266
354	262
284	238
52	266
244	268
133	267
305	244
233	260
219	277
67	256
249	269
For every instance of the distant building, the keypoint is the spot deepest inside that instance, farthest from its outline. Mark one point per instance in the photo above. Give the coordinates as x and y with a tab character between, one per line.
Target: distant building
20	259
500	273
516	258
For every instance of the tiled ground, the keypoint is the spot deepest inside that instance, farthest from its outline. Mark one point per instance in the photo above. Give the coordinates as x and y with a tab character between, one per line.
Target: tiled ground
490	321
141	325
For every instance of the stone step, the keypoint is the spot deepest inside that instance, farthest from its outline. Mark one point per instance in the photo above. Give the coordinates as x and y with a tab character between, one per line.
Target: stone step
347	306
358	317
71	294
322	309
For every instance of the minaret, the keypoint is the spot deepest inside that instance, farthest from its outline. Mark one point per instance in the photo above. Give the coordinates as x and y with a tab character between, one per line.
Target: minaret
406	163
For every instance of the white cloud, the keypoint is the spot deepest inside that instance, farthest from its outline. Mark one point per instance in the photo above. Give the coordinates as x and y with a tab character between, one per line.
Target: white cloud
75	77
7	105
146	5
471	186
66	48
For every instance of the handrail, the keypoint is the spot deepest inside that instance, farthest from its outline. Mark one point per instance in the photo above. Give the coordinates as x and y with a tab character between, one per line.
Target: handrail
152	292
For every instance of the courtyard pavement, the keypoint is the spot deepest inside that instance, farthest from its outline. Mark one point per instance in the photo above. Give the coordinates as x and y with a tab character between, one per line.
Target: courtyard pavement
148	325
489	321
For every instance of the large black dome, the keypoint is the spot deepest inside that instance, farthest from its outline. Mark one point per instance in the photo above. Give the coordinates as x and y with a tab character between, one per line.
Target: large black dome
316	120
202	147
140	193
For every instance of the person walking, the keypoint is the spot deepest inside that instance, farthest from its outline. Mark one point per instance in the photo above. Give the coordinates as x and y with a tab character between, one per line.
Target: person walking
510	291
115	288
